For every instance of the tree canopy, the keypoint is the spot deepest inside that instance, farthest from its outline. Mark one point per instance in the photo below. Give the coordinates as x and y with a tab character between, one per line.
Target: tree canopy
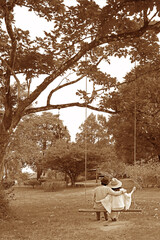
137	101
94	131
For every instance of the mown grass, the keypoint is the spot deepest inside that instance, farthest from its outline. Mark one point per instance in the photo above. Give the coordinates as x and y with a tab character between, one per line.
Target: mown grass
39	215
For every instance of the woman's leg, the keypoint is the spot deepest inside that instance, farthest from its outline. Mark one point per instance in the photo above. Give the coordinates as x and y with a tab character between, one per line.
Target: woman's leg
114	216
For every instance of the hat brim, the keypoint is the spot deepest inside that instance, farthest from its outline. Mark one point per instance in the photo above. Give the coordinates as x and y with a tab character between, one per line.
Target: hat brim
118	185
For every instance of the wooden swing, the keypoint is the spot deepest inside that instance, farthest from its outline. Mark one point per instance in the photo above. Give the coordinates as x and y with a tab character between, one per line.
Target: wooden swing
83	210
103	210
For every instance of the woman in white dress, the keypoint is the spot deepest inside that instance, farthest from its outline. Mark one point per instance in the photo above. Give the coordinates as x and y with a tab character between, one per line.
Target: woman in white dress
111	202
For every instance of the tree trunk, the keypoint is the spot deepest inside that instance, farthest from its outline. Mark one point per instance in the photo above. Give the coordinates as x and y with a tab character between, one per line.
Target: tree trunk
73	179
39	171
4	139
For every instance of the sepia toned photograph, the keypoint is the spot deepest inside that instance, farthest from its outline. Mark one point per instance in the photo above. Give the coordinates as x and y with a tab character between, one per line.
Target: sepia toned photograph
79	119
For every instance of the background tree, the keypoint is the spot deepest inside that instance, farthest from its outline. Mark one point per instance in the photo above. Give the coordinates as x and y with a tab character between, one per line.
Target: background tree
96	134
138	95
84	29
33	136
69	158
94	129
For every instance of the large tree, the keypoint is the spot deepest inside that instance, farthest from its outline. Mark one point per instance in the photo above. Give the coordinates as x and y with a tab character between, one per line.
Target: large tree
84	29
136	128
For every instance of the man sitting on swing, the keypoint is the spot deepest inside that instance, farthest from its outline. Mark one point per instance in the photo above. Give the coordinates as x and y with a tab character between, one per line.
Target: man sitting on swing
101	192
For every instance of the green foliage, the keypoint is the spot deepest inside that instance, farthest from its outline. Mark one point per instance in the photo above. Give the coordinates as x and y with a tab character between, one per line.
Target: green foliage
24	176
6	183
146	175
114	168
138	95
94	130
69	158
96	133
32	137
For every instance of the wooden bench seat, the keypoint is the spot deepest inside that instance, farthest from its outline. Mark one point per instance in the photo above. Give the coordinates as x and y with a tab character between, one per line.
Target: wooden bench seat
97	210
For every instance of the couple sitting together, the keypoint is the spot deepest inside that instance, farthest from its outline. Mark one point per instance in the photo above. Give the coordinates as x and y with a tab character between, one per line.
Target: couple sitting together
111	196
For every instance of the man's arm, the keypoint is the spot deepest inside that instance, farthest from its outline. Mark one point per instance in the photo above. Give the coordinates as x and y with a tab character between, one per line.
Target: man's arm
115	193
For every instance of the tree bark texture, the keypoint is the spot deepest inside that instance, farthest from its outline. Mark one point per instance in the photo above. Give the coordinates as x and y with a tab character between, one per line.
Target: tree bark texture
4	139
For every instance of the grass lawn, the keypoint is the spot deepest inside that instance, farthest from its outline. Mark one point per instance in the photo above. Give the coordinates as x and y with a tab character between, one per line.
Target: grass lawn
39	215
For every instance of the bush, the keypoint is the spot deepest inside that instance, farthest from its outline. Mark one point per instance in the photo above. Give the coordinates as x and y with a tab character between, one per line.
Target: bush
4	204
114	169
146	175
6	184
32	182
51	186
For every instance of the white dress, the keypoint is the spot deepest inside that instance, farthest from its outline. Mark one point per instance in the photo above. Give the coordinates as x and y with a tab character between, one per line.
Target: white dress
121	202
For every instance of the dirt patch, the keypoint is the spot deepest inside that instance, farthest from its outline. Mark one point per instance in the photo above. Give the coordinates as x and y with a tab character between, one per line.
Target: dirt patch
117	226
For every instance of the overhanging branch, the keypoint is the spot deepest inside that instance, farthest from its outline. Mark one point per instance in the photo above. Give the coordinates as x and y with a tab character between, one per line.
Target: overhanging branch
99	40
61	106
62	86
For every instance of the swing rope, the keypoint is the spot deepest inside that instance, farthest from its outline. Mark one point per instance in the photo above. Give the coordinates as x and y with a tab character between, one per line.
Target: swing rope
85	152
135	140
135	116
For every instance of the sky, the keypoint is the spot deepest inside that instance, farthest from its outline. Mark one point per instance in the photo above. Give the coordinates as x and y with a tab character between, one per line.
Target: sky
71	117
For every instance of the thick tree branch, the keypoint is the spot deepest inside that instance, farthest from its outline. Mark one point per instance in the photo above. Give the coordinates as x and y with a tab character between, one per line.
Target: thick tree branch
61	106
99	40
130	34
7	120
14	75
12	37
62	86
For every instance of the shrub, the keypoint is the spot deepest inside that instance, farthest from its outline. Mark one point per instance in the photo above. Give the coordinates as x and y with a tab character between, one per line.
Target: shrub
32	182
6	184
146	175
4	204
114	168
51	186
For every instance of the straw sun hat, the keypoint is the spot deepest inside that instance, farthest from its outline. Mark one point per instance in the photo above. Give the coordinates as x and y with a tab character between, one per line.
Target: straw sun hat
115	183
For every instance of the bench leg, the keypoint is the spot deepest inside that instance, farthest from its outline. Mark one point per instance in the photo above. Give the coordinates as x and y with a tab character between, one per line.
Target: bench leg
98	216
